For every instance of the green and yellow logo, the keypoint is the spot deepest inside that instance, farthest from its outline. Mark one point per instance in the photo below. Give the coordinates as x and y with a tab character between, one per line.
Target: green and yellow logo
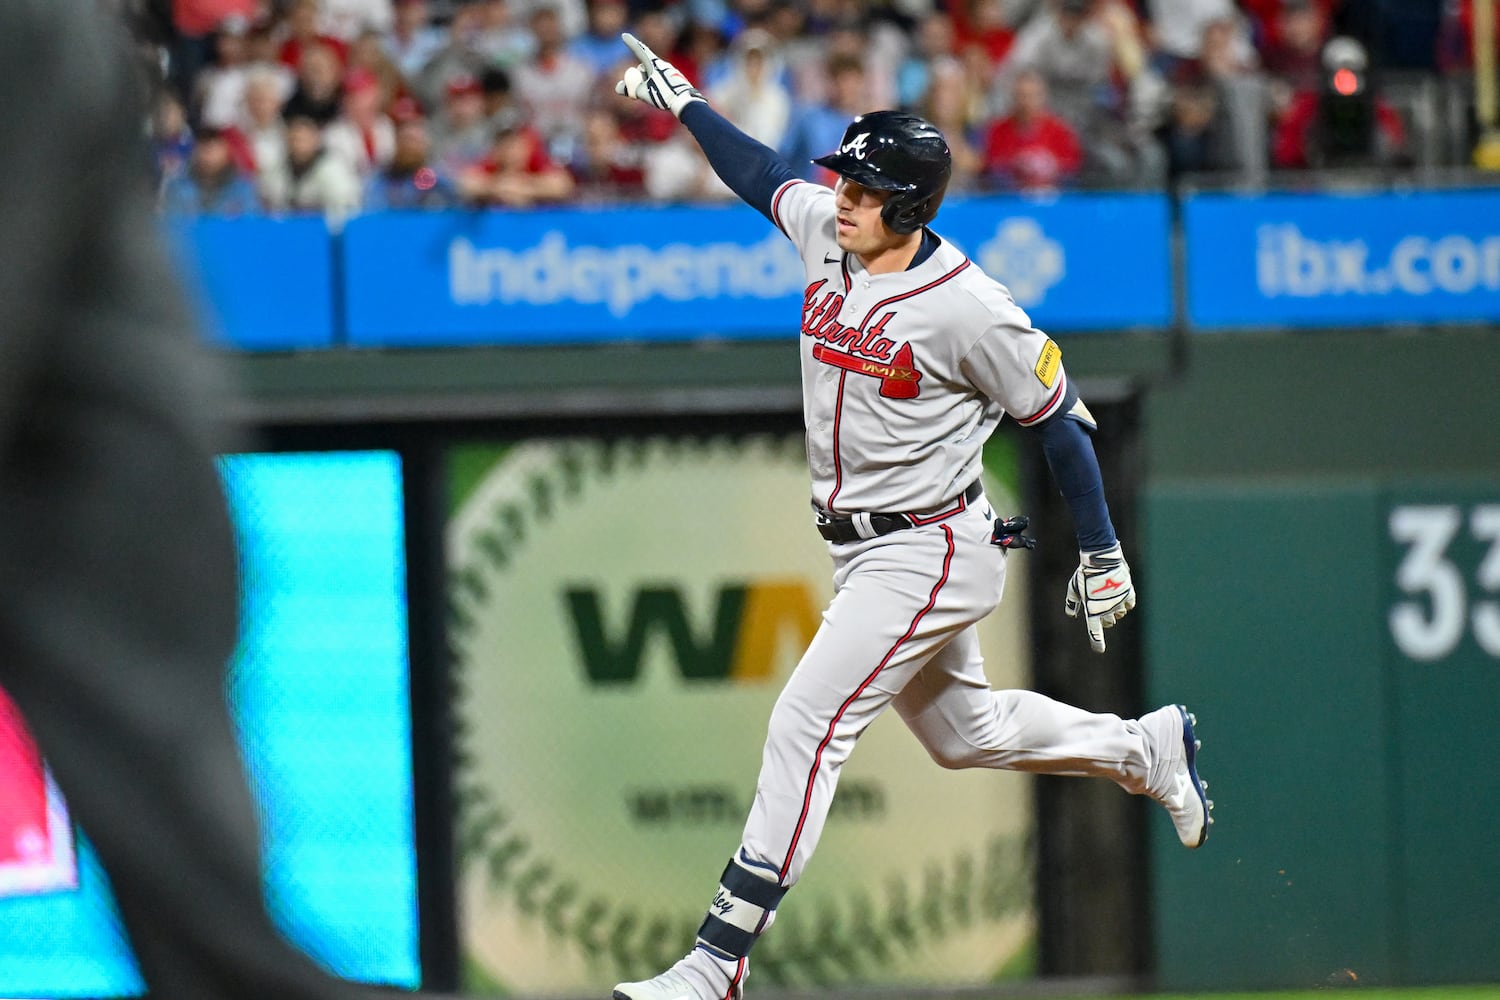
750	623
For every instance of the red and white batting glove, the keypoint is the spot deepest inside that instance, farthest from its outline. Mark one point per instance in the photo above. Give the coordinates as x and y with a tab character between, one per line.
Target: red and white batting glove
1101	588
655	81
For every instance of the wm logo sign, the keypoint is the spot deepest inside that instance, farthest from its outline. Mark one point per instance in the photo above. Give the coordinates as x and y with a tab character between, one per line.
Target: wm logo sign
748	623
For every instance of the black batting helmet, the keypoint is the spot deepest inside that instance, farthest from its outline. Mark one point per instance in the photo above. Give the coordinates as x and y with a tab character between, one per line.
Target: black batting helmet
900	153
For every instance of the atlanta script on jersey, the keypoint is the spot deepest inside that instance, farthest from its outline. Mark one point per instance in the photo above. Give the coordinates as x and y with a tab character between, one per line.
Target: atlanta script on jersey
906	375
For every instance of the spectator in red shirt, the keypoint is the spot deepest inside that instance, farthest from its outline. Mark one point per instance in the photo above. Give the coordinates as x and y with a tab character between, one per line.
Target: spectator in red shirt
199	18
1266	23
193	23
1292	59
982	25
516	172
1032	149
607	168
302	23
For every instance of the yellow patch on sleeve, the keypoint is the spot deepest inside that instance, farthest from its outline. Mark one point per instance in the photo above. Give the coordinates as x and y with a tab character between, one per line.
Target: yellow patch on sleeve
1049	363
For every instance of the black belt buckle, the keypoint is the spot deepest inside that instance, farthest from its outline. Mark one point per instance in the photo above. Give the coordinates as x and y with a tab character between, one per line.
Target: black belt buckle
842	529
837	529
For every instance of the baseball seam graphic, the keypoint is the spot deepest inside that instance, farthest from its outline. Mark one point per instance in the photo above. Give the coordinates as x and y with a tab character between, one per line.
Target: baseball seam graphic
833	943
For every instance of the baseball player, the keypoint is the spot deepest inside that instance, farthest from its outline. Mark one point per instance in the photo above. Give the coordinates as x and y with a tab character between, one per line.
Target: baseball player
910	357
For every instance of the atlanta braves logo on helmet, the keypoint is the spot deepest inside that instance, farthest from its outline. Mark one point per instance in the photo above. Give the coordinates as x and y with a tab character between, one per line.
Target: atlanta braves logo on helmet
856	145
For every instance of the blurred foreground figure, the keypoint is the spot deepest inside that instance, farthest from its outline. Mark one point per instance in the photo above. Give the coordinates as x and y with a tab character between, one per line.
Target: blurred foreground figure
117	564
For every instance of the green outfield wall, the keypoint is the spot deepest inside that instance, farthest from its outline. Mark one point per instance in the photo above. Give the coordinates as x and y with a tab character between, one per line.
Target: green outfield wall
1321	571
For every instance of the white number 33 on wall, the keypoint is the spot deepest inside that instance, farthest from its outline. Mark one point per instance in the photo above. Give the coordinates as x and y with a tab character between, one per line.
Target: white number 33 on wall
1431	626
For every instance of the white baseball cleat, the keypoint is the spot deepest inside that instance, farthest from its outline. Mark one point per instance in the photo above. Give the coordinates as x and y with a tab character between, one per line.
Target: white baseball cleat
670	985
1174	780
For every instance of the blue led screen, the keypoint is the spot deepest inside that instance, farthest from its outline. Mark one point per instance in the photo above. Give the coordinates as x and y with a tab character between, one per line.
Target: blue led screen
319	692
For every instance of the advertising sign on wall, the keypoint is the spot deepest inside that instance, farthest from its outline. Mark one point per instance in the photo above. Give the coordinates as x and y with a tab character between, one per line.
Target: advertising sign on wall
680	273
1351	259
624	615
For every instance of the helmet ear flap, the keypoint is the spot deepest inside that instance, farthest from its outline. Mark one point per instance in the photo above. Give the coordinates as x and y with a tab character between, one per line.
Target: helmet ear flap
902	216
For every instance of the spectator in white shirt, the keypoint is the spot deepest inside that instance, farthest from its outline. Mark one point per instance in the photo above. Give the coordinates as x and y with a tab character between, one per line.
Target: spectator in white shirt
346	19
259	121
220	87
310	178
362	134
751	93
1177	28
554	85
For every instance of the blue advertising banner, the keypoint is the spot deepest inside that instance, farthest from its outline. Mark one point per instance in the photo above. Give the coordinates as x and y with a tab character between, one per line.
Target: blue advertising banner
1330	259
684	273
258	284
1074	263
567	276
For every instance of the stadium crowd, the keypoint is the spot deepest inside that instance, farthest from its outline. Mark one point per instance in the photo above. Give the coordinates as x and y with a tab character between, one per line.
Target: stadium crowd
347	105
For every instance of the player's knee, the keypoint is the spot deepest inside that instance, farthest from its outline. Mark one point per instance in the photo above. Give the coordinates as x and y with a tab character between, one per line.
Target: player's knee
954	755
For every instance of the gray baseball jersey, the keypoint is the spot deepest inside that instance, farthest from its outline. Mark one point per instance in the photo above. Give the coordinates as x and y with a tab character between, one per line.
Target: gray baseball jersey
906	375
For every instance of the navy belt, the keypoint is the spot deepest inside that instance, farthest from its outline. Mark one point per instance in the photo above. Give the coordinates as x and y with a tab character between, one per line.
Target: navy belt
838	528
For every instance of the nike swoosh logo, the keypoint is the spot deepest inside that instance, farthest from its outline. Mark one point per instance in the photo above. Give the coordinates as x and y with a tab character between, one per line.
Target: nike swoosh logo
830	260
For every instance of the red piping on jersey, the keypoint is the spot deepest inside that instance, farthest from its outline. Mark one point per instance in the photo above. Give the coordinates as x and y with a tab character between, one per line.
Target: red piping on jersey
911	630
915	291
1062	384
838	467
844	266
959	508
776	204
739	973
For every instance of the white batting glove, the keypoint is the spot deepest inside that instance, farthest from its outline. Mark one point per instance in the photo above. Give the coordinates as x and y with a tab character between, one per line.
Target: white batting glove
1101	587
655	81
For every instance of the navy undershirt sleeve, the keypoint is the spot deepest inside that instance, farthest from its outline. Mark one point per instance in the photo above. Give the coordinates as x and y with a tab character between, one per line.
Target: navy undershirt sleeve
1075	469
751	169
